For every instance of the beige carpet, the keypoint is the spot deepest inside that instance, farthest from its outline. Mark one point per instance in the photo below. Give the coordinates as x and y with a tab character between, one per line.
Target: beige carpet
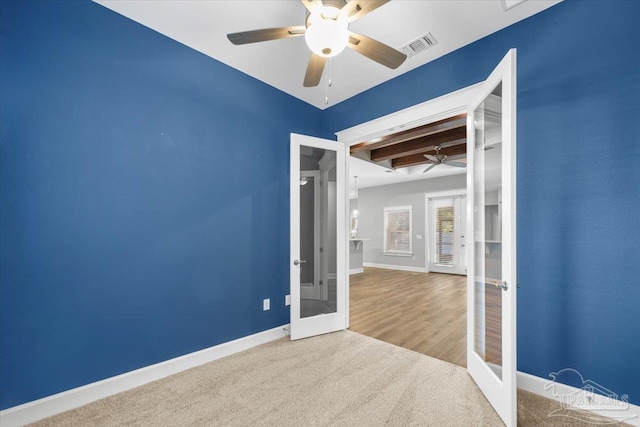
339	379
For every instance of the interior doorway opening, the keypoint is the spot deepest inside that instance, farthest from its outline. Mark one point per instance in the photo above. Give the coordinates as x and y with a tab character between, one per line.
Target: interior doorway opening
408	281
490	125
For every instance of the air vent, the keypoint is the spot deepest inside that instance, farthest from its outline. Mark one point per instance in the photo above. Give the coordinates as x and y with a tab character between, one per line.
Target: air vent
419	45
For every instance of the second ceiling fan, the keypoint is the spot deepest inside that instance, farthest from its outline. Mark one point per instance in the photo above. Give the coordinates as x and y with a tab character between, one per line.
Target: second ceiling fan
326	32
442	159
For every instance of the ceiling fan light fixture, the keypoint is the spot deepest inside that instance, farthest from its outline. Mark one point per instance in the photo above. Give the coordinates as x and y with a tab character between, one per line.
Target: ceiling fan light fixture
327	37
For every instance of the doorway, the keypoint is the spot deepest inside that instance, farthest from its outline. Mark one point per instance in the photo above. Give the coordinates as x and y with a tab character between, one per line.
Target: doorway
412	293
446	224
488	109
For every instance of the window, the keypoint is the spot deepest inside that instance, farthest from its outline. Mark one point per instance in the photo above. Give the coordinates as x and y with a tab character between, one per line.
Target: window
397	230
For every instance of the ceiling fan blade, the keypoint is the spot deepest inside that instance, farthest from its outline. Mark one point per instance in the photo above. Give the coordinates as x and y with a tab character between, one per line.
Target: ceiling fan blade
432	158
313	5
429	168
457	164
373	49
314	70
455	157
358	8
266	34
454	143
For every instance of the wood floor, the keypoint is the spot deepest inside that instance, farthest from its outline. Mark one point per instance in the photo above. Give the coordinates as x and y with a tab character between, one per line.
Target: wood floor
423	312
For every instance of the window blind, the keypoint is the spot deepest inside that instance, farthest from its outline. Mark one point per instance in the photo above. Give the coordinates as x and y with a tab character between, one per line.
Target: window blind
397	230
443	217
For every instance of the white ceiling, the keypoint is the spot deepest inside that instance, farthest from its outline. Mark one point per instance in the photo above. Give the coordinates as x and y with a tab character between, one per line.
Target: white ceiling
203	26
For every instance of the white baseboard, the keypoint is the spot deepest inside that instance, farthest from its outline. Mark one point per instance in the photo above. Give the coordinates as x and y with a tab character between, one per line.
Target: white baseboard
537	385
356	270
396	267
48	406
42	408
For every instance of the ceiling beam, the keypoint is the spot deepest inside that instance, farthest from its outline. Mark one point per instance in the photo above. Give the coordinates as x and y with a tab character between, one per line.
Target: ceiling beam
430	129
418	159
419	145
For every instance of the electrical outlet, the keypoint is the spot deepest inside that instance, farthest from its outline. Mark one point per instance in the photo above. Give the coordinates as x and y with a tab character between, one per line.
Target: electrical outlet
266	304
287	300
418	236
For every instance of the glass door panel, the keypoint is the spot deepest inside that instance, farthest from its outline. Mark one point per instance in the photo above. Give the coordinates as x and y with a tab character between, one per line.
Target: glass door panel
317	232
318	236
487	225
491	278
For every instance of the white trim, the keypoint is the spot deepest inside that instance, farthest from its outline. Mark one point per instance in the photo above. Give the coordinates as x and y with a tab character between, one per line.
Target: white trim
536	385
396	267
356	271
347	232
435	109
398	254
51	405
446	193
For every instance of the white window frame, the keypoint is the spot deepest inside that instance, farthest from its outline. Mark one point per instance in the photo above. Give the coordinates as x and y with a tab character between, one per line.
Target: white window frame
395	209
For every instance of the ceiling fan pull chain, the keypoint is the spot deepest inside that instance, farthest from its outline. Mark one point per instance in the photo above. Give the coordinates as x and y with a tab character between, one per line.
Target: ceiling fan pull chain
328	85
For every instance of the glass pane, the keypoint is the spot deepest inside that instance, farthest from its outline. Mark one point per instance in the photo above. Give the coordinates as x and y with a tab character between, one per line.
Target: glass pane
487	217
398	230
318	246
444	228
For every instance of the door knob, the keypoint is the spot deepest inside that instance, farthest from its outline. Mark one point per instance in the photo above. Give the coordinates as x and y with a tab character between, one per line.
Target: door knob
298	261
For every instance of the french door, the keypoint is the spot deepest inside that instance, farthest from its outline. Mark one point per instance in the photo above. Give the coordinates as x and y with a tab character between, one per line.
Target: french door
318	236
447	234
491	213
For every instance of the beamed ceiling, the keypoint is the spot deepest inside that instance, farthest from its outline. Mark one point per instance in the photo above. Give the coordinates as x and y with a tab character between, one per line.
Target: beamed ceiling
408	148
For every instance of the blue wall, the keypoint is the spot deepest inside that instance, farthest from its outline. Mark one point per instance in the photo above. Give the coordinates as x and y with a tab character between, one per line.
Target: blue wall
144	191
144	206
578	179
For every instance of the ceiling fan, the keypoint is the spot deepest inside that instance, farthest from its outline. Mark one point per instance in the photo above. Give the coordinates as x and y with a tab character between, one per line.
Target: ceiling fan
326	32
441	159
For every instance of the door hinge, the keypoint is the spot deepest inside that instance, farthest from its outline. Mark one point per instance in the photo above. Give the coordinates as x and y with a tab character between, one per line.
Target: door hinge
321	250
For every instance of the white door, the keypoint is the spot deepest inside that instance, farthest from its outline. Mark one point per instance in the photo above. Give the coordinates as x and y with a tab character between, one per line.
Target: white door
447	234
318	236
491	279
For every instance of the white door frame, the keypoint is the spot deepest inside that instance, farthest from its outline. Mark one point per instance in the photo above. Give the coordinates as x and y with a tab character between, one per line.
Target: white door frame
443	107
